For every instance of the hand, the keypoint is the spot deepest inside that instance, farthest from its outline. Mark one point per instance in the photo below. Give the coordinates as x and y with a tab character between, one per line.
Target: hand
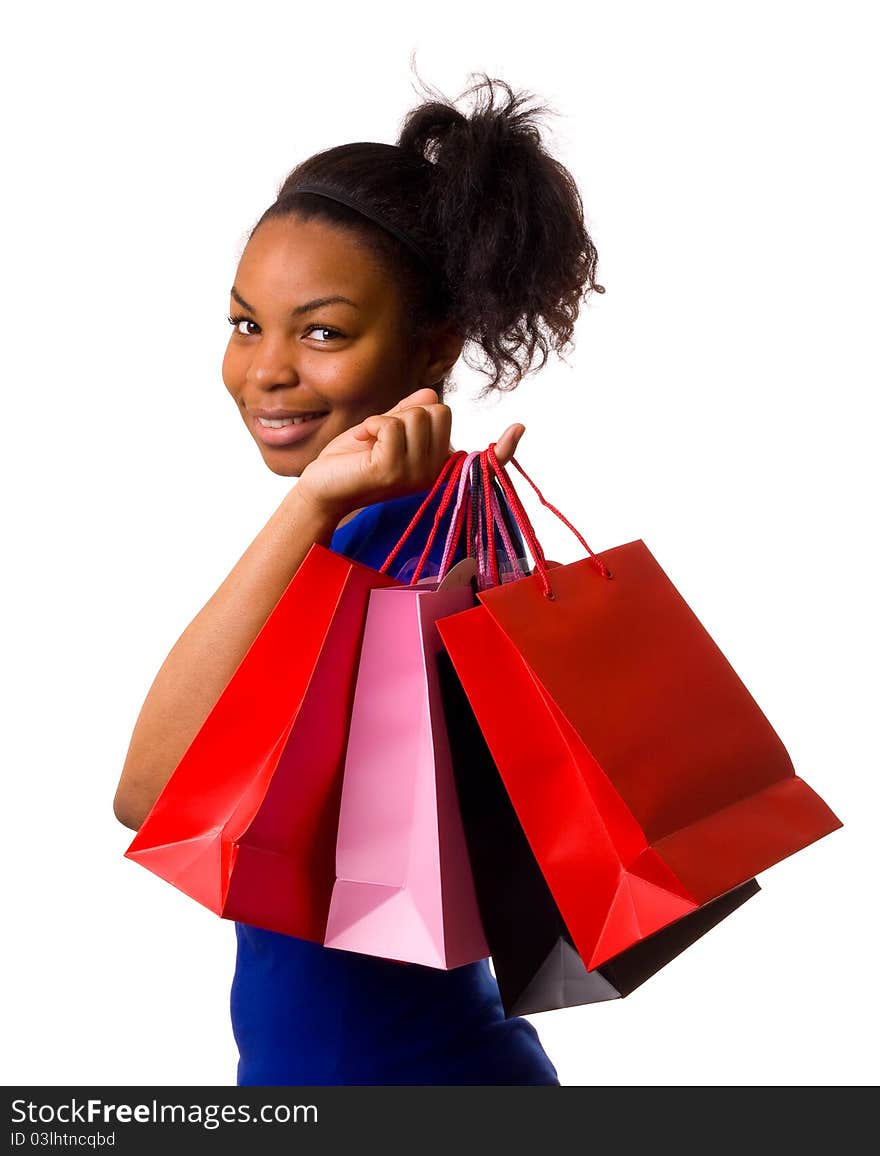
388	455
385	456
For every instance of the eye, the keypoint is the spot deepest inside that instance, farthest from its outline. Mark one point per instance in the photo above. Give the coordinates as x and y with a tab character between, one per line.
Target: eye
237	322
333	333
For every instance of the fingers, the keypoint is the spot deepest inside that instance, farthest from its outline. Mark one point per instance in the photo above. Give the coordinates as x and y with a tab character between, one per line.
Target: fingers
411	445
422	396
388	435
418	427
406	405
426	429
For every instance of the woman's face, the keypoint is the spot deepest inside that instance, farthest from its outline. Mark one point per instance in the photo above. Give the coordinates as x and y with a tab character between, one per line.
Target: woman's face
298	348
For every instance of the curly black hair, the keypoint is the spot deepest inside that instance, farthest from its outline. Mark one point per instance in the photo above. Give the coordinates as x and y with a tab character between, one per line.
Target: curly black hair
500	220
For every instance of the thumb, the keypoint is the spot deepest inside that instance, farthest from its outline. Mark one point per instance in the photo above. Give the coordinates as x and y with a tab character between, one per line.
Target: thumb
505	447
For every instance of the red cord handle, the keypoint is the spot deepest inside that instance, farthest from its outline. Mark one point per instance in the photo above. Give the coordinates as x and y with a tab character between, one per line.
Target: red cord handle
448	479
452	467
462	496
525	524
499	526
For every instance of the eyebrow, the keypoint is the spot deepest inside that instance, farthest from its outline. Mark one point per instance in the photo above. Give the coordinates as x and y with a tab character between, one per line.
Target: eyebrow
308	307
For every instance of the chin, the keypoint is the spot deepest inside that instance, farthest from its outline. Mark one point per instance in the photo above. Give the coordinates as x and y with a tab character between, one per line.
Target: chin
286	462
283	471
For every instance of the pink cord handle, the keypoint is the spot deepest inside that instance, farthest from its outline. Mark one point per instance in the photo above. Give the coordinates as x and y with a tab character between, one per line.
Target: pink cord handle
464	485
501	525
484	573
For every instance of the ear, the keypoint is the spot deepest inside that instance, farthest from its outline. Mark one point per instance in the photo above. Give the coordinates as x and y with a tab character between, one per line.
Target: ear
441	350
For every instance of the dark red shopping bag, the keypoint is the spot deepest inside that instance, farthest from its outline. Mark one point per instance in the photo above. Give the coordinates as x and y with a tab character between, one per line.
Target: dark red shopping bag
247	822
646	778
536	963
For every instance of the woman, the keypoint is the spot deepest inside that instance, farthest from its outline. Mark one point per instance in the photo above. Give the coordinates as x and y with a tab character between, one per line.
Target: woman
352	301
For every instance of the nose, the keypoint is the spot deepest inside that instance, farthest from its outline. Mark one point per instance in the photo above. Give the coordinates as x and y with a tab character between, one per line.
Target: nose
271	364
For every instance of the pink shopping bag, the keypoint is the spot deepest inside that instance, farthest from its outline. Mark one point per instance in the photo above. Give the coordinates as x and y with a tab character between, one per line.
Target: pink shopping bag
404	888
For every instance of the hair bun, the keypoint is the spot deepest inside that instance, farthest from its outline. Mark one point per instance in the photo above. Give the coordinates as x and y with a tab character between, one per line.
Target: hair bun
427	127
506	219
442	134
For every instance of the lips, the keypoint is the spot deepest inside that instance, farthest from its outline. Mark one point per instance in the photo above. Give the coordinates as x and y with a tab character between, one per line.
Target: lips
299	425
279	421
281	414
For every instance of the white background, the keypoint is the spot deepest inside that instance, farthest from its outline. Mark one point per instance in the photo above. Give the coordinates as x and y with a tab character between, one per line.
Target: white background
719	404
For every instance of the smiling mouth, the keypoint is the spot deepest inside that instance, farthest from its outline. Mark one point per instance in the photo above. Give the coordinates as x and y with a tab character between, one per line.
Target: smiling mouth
286	431
281	422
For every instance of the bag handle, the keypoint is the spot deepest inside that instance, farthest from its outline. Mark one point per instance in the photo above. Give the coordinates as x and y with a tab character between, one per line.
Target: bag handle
460	480
499	524
490	524
451	467
484	525
463	492
452	475
481	546
507	541
518	509
525	525
464	484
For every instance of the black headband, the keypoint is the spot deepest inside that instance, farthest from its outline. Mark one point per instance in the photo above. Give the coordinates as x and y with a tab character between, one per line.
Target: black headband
404	238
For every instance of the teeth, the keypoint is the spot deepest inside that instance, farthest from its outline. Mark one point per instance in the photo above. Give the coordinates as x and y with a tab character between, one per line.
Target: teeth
279	423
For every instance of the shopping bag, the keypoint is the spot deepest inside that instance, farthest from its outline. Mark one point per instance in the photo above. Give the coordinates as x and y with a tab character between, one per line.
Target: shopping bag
537	965
247	822
404	888
646	778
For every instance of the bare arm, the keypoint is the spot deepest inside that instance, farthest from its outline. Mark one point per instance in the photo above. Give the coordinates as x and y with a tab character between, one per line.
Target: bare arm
205	656
389	454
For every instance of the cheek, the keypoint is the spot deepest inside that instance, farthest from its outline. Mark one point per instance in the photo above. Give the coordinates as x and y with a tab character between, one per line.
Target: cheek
355	376
342	380
232	370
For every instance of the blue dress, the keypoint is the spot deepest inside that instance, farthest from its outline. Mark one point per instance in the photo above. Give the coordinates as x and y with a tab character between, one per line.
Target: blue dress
304	1014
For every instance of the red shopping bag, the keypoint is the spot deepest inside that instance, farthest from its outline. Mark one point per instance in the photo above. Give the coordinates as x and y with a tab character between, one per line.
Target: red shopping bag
645	776
247	822
536	964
